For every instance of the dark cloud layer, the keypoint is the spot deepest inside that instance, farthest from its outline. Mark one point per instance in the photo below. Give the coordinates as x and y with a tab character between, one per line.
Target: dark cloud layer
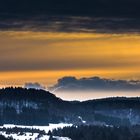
34	86
49	23
116	15
94	83
73	7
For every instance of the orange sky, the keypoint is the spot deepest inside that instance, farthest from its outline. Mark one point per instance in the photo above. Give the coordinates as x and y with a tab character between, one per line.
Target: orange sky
44	56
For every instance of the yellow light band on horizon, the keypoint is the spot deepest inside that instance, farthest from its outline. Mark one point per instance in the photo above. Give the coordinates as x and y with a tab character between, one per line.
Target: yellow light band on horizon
45	56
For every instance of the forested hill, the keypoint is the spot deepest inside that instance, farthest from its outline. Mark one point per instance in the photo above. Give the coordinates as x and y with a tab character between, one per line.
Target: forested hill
39	107
29	106
114	103
26	94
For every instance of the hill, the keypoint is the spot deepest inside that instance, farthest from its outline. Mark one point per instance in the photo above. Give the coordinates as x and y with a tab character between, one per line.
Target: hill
39	107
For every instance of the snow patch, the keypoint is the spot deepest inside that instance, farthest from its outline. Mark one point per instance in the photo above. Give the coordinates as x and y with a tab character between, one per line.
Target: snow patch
34	136
45	128
81	119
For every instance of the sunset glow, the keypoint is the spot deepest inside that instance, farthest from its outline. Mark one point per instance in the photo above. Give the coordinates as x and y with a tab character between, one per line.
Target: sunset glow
44	57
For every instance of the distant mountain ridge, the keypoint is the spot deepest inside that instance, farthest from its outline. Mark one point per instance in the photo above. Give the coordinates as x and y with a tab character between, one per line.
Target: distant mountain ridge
39	107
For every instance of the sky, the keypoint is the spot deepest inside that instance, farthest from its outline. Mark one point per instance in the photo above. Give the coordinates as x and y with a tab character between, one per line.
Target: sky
43	51
43	55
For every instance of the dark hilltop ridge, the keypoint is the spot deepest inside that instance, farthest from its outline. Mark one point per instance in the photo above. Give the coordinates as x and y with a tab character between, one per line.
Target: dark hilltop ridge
39	107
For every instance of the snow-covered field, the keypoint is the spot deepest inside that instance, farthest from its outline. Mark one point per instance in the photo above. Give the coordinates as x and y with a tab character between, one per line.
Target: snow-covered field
29	136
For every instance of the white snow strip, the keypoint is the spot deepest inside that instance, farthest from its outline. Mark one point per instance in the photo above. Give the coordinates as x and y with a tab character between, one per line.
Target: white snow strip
34	136
45	128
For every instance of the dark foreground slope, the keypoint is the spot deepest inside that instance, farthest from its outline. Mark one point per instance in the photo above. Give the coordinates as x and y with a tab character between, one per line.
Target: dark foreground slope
39	107
90	132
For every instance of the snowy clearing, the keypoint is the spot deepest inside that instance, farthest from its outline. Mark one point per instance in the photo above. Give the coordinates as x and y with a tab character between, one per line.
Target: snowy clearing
34	136
45	128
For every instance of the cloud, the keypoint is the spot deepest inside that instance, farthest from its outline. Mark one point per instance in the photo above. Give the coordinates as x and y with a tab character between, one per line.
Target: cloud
94	83
70	24
72	7
34	86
